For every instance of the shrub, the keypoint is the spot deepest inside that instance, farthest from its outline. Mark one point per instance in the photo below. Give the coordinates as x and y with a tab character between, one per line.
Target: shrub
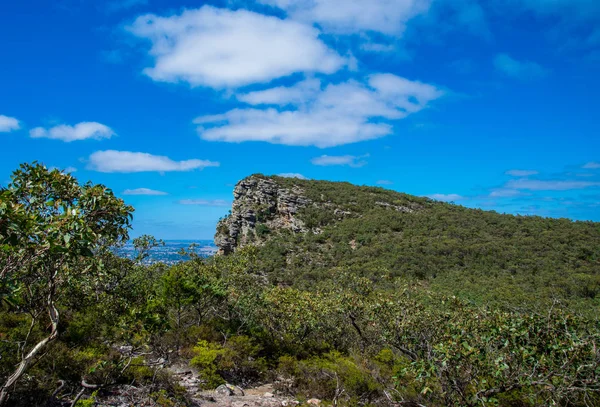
262	230
205	360
237	361
332	376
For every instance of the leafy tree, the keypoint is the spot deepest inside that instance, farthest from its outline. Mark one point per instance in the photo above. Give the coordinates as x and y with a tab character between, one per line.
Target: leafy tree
144	244
51	227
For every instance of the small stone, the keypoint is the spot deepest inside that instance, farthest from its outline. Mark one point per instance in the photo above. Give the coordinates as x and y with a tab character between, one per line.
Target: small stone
223	391
314	402
267	394
226	390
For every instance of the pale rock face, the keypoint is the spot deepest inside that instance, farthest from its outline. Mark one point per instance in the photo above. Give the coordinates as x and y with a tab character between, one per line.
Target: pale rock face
228	390
259	201
262	207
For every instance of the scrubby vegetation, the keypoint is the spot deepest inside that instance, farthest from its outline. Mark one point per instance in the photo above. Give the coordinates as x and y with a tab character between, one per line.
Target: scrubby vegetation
443	306
482	256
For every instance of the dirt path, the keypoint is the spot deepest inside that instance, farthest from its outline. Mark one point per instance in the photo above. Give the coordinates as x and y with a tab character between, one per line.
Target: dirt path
228	395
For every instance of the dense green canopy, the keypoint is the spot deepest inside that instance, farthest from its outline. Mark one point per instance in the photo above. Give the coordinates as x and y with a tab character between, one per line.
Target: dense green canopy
484	256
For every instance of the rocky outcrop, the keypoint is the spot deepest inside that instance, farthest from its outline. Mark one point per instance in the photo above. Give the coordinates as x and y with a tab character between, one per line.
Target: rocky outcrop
260	206
266	206
399	208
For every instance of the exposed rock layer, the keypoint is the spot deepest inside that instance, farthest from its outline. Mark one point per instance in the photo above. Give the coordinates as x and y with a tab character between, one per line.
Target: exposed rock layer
259	201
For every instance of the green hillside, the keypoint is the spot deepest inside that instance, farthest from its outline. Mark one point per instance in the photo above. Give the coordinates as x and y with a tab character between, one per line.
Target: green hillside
483	256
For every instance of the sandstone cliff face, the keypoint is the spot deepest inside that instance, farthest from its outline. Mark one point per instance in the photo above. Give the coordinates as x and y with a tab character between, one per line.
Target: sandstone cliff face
260	205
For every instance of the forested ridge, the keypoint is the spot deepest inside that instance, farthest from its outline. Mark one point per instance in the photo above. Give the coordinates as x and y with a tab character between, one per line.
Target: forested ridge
483	256
367	297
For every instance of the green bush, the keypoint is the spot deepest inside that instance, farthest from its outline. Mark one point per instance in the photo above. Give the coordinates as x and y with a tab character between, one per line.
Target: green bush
206	360
262	230
330	377
236	361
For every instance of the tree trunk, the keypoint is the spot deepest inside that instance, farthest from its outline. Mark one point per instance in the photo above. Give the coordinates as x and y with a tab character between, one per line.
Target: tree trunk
27	360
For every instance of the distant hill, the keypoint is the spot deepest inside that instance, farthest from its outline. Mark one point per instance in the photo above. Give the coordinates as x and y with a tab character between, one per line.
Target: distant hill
309	230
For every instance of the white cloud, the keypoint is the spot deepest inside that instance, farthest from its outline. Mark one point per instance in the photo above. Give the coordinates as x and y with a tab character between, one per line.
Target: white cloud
549	185
224	48
204	202
8	124
282	95
300	128
337	114
143	191
67	170
591	166
505	193
519	69
377	47
402	94
126	161
292	175
446	197
521	173
81	131
384	16
384	182
349	160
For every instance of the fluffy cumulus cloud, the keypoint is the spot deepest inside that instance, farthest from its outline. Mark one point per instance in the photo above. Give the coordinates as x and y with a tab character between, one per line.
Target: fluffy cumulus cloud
127	161
348	160
310	113
519	69
521	173
204	202
224	48
81	131
384	16
446	197
143	191
8	124
296	95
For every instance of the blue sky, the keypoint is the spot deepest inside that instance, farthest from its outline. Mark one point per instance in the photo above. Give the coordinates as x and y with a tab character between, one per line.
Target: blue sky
491	104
